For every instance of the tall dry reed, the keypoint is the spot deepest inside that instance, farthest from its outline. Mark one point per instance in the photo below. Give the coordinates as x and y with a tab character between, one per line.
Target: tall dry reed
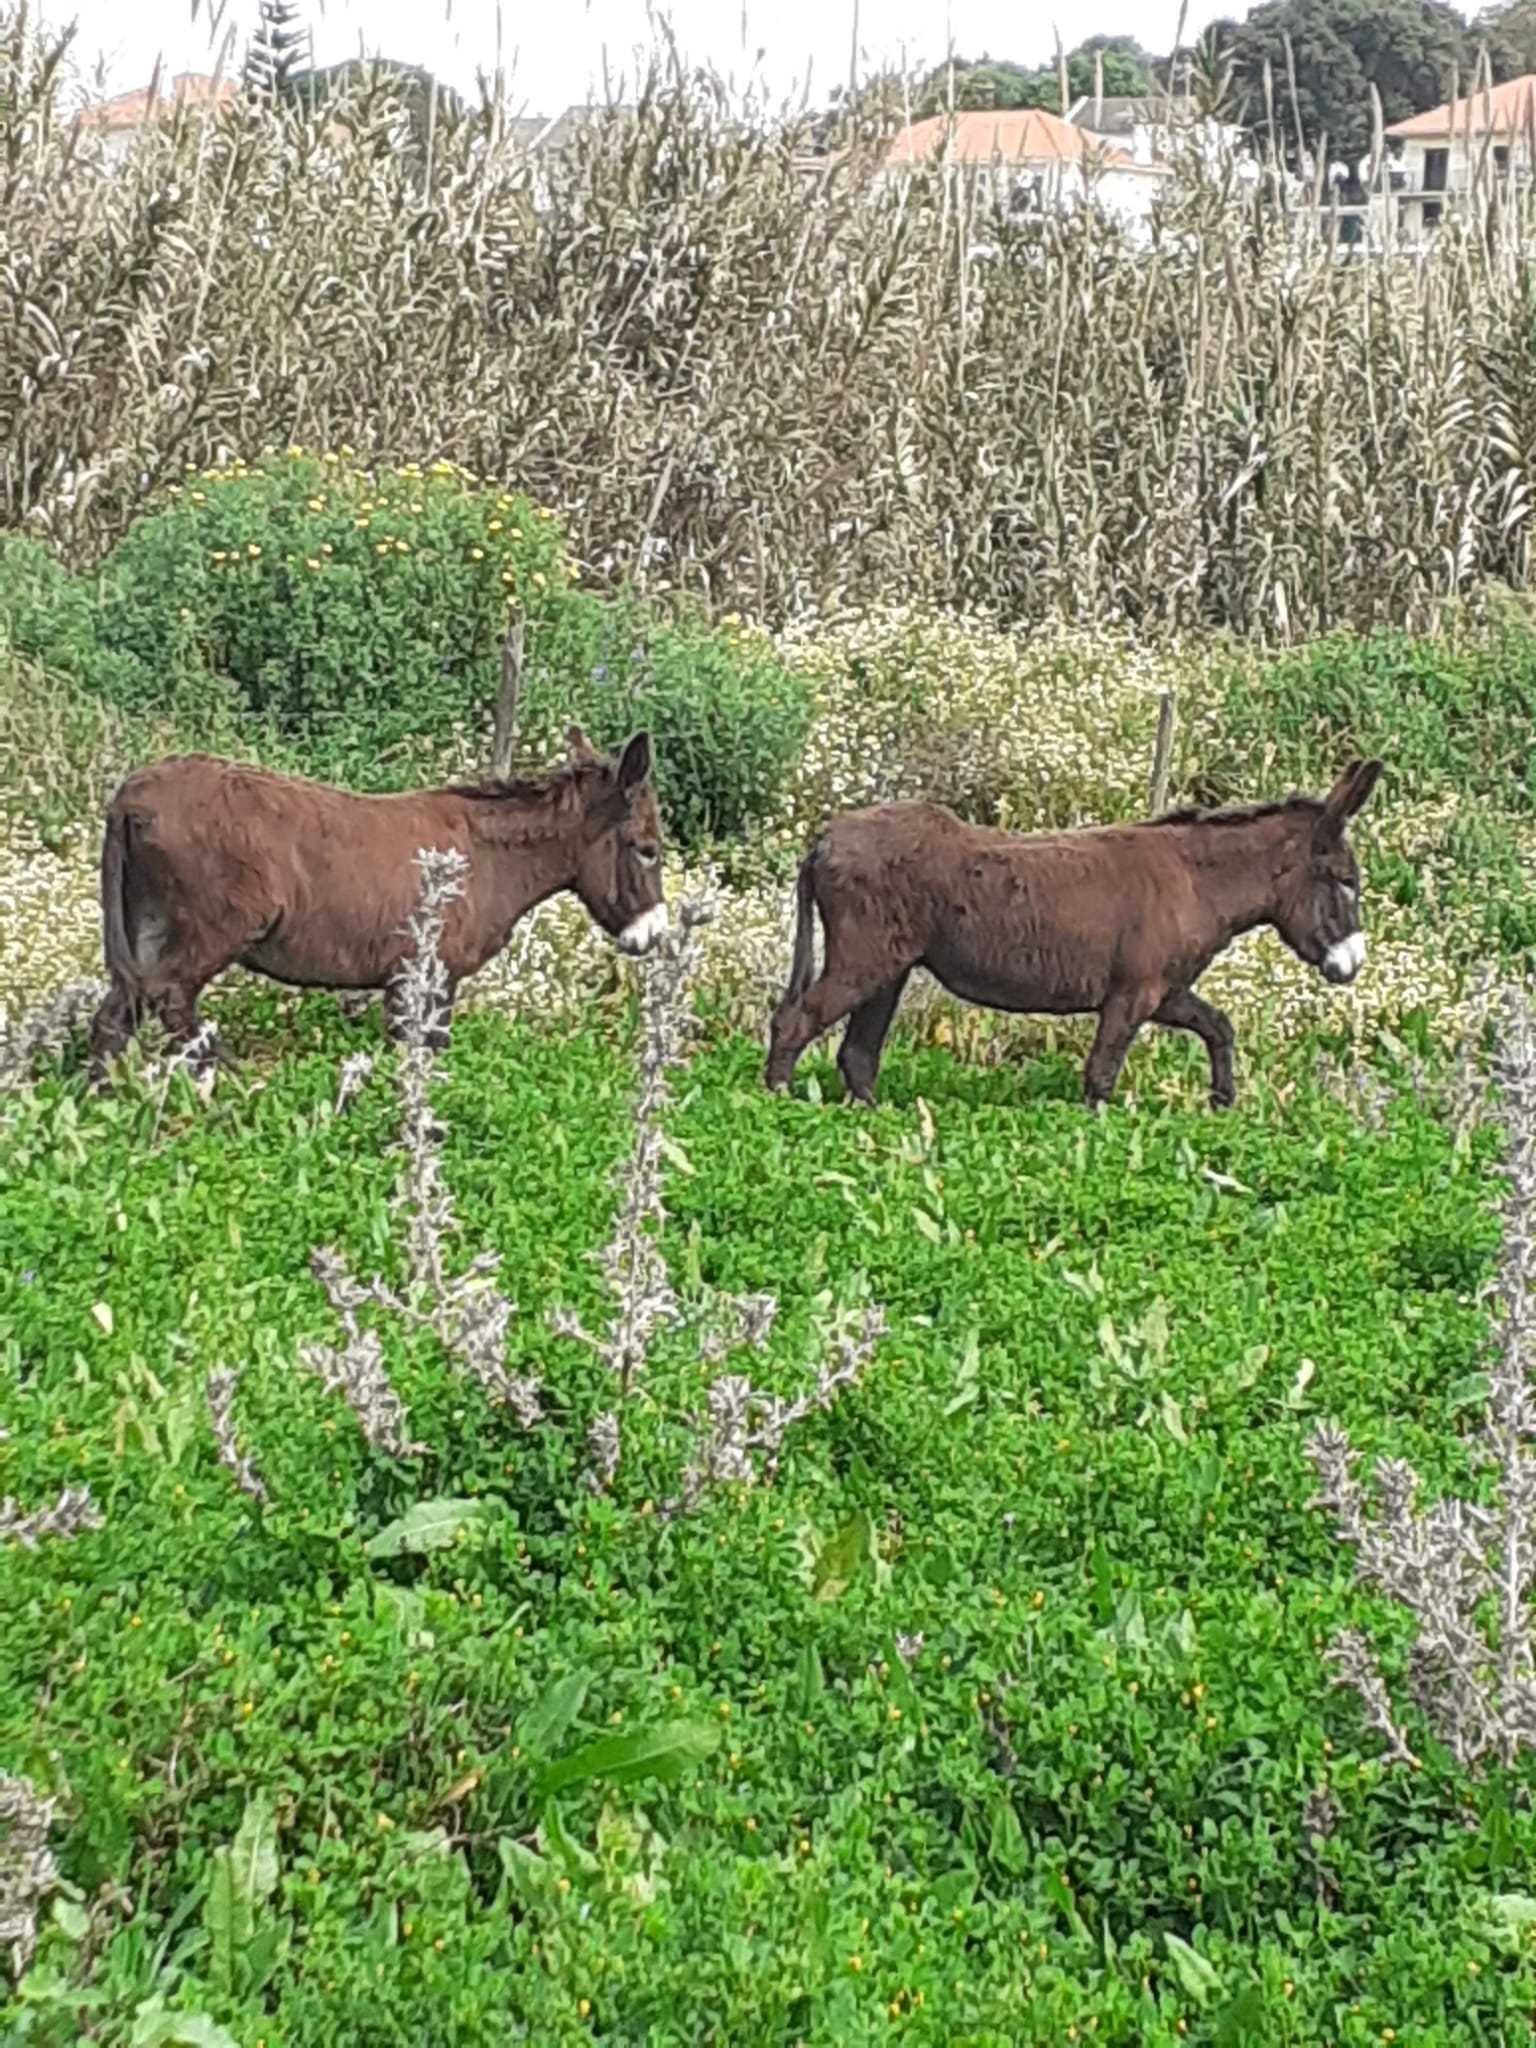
770	386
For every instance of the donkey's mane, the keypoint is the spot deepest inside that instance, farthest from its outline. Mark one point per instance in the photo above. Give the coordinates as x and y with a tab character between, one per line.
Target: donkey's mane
1242	814
528	789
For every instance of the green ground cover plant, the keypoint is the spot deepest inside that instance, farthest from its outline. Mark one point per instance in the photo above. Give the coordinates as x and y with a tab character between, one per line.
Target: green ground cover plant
1001	1711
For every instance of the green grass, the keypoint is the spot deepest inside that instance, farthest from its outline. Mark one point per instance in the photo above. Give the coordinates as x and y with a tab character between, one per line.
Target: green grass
1104	1748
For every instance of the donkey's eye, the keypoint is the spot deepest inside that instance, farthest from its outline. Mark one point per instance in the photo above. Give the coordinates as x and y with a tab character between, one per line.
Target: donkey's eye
648	855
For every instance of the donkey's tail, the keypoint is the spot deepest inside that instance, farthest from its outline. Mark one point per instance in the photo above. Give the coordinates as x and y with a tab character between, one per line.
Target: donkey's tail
116	945
803	968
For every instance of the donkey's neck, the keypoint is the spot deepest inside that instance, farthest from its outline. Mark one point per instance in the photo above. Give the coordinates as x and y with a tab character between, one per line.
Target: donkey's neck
527	853
1239	869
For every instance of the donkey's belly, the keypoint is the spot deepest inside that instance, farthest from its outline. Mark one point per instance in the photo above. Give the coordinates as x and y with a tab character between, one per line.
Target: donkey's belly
303	957
1024	980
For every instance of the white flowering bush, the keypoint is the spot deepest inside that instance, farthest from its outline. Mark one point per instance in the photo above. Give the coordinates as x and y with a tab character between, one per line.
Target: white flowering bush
1027	729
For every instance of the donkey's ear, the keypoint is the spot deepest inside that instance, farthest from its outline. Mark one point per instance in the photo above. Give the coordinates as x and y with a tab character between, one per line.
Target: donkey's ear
1347	796
635	763
581	749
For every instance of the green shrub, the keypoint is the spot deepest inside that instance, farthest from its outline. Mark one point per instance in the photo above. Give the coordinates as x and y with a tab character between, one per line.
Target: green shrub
330	599
351	623
1443	715
728	719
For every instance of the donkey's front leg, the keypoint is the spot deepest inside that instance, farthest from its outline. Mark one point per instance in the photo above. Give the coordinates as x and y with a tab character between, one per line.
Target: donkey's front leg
1185	1011
1122	1016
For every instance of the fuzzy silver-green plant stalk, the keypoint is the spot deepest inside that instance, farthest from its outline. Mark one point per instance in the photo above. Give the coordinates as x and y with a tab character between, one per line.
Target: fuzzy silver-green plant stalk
28	1871
634	1267
357	1371
1472	1677
220	1389
466	1311
742	1425
421	993
71	1515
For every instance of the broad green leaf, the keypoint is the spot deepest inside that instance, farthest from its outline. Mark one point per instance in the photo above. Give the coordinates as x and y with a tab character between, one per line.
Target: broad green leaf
528	1875
70	1919
182	1420
967	1375
927	1226
839	1559
1173	1420
1103	1585
1007	1845
665	1752
226	1915
1194	1972
557	1839
405	1609
158	2028
429	1525
675	1156
547	1720
1510	1916
1243	2023
812	1679
254	1856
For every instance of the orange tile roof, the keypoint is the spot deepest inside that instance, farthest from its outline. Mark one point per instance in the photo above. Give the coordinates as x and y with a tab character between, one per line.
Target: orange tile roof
1012	135
1507	107
134	109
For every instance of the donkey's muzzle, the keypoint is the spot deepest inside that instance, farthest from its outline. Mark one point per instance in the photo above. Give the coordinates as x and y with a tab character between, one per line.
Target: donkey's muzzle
640	936
1343	961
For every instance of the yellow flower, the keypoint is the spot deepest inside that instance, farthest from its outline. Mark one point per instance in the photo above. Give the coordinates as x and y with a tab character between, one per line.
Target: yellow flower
253	551
477	554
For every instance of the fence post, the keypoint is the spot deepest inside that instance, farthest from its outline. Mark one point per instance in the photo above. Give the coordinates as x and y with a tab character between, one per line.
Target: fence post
1162	757
504	736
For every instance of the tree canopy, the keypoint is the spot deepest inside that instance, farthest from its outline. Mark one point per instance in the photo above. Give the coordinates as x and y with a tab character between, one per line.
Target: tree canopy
1415	53
986	82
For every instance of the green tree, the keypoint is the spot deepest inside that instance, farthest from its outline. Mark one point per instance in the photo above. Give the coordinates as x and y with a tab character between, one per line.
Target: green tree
1512	23
987	82
1412	51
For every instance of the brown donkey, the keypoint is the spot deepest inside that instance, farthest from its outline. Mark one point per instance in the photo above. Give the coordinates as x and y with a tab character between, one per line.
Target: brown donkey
206	863
1122	920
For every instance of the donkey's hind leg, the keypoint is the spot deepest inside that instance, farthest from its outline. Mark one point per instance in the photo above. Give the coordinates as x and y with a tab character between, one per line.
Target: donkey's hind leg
1119	1021
112	1027
1185	1011
190	1036
797	1023
859	1055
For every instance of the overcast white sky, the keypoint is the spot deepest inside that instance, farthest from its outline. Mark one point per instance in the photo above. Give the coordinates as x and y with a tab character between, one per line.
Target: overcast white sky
554	52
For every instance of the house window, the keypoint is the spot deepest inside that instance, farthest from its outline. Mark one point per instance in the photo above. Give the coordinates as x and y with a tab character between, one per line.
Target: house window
1432	212
1501	157
1437	164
